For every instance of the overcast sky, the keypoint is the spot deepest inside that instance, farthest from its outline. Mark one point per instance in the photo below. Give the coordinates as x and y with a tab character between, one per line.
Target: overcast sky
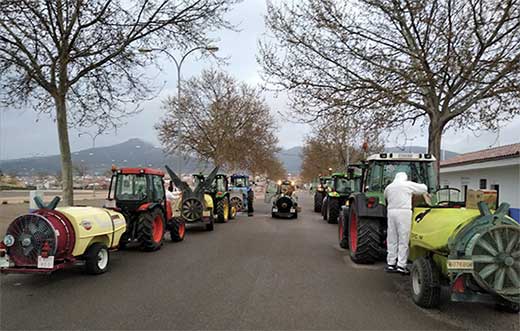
24	133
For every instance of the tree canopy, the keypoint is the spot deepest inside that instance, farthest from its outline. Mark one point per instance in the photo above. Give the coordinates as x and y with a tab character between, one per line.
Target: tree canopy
78	59
383	63
223	121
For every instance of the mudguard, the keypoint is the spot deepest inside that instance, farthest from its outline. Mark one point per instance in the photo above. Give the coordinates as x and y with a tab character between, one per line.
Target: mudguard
359	201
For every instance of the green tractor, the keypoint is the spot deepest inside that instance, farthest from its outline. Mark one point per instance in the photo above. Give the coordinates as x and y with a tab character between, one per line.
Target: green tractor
219	192
337	194
362	223
320	191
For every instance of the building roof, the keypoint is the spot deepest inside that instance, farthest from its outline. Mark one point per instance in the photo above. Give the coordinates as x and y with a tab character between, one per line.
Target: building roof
491	154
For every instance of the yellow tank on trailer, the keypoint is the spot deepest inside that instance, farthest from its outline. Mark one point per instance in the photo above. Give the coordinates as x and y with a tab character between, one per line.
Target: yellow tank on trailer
93	224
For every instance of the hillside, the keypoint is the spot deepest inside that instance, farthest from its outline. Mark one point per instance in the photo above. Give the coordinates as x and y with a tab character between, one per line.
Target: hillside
136	152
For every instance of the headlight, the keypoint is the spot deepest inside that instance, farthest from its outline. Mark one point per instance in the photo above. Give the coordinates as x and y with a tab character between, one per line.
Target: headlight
9	240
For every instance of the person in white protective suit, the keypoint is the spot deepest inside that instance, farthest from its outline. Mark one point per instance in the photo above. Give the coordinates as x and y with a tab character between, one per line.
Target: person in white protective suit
398	195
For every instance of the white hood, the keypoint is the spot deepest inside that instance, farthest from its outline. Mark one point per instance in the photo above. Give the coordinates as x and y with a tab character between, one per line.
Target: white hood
399	193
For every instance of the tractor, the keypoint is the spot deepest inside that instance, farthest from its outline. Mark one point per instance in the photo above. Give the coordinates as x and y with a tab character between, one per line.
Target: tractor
320	191
195	207
242	194
219	191
362	222
139	194
336	195
284	200
51	238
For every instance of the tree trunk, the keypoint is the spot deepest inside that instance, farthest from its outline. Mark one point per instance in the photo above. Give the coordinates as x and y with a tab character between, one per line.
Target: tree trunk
434	143
66	159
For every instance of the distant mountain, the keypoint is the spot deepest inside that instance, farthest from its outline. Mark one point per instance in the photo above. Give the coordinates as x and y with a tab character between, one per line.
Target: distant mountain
134	152
291	159
419	149
138	153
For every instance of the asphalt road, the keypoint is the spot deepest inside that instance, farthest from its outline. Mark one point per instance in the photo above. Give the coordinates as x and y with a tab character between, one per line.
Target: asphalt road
252	273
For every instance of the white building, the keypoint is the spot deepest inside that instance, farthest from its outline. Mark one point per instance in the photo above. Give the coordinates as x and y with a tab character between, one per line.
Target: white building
493	169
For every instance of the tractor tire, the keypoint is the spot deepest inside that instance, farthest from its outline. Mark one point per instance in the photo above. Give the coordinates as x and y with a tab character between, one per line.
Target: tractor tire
211	225
424	282
318	201
508	307
97	259
333	211
177	230
150	230
324	207
232	211
222	210
342	229
365	239
123	241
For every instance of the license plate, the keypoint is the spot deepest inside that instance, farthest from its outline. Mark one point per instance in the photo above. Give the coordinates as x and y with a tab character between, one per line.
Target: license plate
460	265
4	262
275	210
46	262
293	210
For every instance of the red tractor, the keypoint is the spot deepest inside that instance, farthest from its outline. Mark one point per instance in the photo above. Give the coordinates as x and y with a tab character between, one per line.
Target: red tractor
139	194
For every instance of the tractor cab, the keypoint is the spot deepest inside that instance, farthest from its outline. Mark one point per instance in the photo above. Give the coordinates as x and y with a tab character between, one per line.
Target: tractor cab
380	170
133	188
240	181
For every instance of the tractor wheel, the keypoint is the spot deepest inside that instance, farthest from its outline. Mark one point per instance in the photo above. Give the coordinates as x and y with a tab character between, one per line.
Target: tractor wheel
342	226
150	230
332	210
318	201
211	225
426	290
177	230
508	307
324	207
222	209
364	239
123	241
97	258
232	211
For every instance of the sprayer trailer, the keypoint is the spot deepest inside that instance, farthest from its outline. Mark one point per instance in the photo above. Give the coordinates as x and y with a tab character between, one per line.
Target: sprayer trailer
50	238
475	253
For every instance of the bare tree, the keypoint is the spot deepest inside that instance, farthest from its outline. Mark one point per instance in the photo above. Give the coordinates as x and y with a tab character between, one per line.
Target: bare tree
334	143
222	121
387	62
78	59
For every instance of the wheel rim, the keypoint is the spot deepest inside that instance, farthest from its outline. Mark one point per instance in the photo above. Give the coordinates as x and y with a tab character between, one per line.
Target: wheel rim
496	258
237	202
182	230
102	258
416	281
192	209
158	229
226	210
353	232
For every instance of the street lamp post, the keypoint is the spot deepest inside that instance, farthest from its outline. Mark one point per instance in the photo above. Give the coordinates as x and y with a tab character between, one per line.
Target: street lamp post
178	64
93	137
